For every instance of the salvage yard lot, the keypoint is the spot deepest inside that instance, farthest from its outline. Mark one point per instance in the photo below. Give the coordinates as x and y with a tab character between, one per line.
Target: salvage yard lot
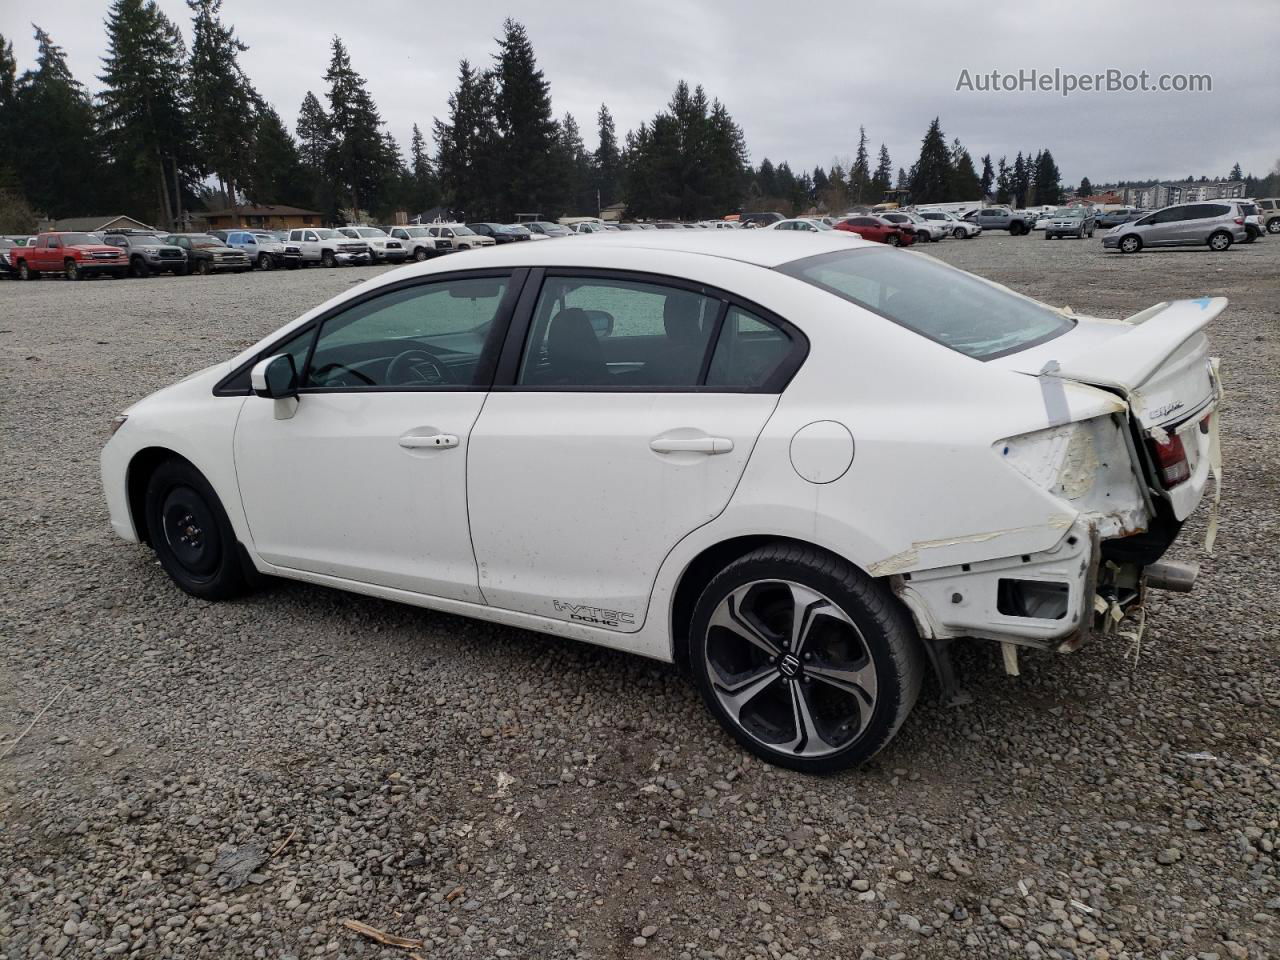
488	790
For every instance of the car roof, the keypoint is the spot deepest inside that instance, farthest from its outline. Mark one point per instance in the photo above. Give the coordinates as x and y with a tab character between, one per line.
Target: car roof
764	248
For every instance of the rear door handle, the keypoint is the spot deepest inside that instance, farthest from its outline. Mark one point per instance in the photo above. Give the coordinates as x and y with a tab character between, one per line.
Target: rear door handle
442	441
707	445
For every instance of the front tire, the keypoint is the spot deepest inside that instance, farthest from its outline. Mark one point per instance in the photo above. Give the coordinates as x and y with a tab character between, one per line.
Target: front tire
204	267
191	534
958	233
26	273
1130	244
894	240
265	262
419	254
72	270
138	267
328	260
807	662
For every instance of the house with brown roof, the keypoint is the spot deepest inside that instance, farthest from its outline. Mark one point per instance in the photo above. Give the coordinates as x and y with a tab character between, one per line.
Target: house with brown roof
265	217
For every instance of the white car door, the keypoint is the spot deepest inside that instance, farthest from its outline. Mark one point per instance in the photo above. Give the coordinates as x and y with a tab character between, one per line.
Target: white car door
621	419
367	479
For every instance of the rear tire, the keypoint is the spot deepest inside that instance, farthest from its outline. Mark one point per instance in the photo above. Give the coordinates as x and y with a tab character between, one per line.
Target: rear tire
1273	226
191	534
1220	241
817	699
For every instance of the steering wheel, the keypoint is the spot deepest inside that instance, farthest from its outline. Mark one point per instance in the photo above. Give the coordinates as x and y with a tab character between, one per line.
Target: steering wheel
406	365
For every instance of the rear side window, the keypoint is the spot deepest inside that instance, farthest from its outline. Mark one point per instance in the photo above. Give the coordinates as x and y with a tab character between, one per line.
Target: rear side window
589	332
748	352
938	302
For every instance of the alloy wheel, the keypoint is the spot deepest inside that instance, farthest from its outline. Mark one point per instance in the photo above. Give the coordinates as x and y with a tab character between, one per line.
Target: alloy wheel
790	668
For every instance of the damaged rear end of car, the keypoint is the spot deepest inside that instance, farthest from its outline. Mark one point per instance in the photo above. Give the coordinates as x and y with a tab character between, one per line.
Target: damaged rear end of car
1126	480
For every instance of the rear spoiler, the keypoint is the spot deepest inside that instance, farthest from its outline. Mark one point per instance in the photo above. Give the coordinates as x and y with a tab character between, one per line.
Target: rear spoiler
1126	362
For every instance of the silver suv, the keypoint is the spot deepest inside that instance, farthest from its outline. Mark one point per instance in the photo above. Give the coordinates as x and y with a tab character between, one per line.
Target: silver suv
1215	223
1078	222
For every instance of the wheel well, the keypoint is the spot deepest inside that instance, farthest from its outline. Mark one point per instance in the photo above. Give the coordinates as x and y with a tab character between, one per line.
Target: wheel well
699	573
141	467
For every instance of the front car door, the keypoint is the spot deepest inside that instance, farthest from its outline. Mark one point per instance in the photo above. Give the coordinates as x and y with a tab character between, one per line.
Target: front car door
625	410
366	481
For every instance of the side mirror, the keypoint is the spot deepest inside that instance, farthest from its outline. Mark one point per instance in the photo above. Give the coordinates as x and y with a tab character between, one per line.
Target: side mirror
275	378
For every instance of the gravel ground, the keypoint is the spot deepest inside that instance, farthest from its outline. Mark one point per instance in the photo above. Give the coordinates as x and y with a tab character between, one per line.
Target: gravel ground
237	779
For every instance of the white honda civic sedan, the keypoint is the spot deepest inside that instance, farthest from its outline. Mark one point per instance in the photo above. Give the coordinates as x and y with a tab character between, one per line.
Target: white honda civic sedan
799	467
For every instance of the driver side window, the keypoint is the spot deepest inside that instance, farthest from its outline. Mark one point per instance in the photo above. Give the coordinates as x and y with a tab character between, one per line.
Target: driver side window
432	335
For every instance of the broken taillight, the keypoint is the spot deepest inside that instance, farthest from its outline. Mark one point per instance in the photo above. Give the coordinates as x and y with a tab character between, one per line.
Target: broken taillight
1171	460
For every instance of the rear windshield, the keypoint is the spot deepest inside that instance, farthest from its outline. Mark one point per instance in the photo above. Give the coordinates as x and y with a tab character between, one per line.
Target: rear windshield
946	305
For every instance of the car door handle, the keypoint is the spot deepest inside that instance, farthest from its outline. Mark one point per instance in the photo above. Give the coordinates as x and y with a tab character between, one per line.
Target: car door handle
441	441
708	445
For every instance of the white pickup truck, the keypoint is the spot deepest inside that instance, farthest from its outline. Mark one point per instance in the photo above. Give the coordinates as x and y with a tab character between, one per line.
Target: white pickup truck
328	247
419	242
382	248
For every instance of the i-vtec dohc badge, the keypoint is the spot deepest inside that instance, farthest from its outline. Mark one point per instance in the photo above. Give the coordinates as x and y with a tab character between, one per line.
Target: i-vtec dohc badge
598	616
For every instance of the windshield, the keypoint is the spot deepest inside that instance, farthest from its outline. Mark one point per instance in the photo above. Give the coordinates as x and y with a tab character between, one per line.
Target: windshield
1069	213
71	239
325	234
415	231
370	232
819	225
263	236
201	242
463	232
946	305
516	230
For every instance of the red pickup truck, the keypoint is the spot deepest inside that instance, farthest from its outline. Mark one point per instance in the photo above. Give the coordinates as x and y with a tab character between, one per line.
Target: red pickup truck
75	255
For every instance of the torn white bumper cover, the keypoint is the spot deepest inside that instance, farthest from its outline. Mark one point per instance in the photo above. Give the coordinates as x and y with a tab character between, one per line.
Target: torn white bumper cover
1128	478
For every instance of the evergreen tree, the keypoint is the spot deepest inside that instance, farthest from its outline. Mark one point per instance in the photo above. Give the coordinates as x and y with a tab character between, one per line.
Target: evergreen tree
904	181
313	133
143	111
1004	182
276	174
575	170
860	172
358	153
930	180
424	192
8	132
1085	189
525	127
965	183
608	161
726	165
223	101
883	178
465	144
988	177
1047	181
55	149
1019	178
1236	173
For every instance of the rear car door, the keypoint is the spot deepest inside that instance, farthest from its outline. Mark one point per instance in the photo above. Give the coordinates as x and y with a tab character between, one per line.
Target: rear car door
624	412
366	480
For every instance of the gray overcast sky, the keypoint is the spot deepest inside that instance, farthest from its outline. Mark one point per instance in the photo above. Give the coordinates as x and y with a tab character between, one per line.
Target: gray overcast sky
799	78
